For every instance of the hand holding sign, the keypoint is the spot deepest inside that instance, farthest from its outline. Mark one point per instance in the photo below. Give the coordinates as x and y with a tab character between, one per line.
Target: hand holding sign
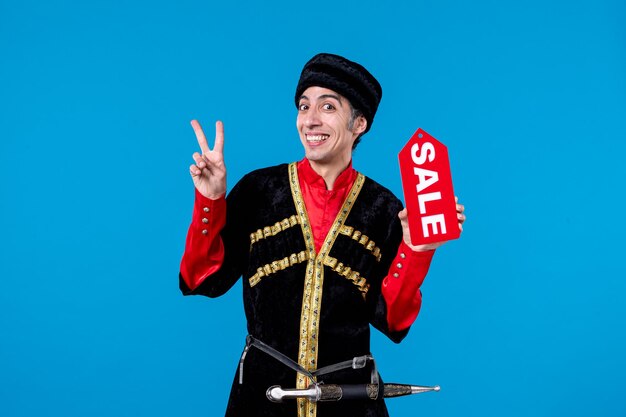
432	212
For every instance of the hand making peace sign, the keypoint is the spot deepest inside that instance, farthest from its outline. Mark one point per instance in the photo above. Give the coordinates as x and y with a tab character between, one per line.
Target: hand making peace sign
209	171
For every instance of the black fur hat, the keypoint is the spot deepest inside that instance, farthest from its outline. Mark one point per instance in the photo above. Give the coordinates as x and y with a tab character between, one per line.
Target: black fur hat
345	77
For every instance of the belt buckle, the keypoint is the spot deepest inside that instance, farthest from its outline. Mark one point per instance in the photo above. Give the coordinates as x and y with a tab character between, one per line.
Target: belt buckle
359	362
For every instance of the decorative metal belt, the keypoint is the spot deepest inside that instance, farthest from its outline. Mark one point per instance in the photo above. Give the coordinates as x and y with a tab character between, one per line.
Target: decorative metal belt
318	391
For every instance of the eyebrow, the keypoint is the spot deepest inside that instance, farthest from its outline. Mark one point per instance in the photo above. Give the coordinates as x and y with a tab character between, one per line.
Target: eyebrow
323	96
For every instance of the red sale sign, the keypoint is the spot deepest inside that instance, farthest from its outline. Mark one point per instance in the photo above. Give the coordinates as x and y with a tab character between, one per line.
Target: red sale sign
428	193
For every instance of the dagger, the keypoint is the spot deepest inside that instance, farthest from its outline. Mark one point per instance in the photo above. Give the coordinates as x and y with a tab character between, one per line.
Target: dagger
333	392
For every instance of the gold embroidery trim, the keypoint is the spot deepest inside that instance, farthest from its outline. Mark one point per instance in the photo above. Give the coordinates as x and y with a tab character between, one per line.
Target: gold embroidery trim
347	272
314	280
273	230
304	406
362	239
279	265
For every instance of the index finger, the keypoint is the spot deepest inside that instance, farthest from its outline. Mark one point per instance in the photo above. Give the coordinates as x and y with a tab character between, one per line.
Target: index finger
204	146
219	137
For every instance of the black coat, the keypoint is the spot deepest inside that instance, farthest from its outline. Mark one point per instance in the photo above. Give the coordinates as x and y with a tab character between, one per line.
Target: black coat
314	308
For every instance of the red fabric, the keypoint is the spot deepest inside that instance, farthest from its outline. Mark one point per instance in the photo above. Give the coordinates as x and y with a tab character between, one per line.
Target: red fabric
321	204
402	292
204	252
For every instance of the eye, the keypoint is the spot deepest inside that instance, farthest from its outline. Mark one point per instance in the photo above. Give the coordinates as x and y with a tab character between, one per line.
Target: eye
303	107
328	106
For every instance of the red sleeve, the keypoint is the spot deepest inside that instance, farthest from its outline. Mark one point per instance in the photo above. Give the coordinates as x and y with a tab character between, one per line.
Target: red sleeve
401	286
204	250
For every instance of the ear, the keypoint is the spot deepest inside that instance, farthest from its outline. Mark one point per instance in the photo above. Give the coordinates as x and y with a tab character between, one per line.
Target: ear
360	125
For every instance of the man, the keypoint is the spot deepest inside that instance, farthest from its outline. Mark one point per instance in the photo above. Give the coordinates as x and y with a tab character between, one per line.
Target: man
324	251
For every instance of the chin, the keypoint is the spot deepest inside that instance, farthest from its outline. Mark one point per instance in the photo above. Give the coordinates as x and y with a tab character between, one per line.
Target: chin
315	156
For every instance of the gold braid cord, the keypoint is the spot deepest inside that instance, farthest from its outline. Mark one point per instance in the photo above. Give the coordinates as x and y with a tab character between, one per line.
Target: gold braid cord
351	275
273	230
370	245
278	265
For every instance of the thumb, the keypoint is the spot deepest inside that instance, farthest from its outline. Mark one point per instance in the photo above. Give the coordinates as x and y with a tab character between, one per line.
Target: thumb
403	215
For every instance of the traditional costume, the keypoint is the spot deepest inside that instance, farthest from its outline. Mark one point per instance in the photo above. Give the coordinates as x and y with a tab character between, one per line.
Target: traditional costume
319	266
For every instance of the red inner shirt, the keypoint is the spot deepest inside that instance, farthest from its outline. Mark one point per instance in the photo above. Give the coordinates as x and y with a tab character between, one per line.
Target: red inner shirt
321	204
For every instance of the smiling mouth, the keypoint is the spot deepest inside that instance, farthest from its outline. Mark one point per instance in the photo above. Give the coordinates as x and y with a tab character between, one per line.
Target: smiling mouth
316	138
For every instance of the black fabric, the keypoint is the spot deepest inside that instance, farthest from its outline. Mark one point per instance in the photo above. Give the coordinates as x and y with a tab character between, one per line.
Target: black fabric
345	77
273	306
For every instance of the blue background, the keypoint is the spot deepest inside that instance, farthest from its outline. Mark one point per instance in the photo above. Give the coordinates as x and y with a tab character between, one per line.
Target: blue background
523	316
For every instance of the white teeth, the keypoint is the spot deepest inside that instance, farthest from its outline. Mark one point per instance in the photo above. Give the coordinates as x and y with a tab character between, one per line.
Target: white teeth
316	138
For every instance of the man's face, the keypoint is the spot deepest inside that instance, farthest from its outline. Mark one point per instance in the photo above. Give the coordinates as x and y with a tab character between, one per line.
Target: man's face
323	119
